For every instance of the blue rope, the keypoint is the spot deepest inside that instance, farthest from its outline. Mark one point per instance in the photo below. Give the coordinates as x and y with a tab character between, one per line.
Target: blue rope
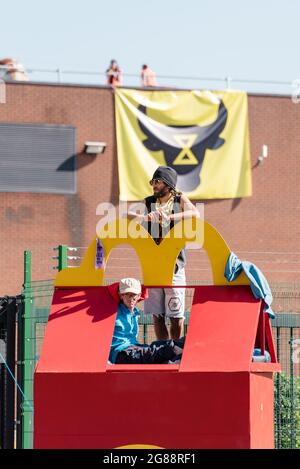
11	374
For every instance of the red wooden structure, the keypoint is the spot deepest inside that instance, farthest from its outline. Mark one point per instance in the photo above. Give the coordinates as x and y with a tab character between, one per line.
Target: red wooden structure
215	398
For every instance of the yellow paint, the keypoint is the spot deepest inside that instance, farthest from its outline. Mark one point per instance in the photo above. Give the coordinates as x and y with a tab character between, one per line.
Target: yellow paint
157	261
139	447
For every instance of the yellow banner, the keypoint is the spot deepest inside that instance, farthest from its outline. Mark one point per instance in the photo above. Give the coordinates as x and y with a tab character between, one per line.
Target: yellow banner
202	135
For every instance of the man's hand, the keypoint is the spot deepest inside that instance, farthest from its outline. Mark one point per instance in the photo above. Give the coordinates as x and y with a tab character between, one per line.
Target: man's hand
136	216
154	216
164	218
157	216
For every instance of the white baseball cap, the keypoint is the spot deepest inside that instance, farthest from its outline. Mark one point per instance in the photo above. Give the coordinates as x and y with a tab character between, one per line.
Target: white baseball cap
130	285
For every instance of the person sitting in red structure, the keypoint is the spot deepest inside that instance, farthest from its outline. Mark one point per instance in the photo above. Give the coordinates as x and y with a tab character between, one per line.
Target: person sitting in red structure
114	74
125	347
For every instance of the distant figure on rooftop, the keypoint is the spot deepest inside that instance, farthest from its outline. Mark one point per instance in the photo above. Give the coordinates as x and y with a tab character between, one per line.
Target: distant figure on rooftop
114	74
148	78
13	70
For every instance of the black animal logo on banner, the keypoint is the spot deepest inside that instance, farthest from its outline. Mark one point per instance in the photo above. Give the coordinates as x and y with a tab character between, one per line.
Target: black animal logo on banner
184	146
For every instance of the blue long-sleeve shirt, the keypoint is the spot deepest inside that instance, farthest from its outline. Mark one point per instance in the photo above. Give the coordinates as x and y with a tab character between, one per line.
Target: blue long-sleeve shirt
259	285
125	332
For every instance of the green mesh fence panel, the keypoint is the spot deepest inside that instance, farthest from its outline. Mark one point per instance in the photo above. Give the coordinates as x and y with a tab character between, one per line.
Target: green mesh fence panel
286	332
38	298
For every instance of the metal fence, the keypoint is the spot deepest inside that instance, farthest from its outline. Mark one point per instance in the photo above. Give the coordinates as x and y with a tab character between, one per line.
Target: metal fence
98	77
25	321
11	310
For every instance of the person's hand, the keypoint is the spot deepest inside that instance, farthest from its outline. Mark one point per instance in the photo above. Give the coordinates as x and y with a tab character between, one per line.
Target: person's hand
164	218
139	218
154	216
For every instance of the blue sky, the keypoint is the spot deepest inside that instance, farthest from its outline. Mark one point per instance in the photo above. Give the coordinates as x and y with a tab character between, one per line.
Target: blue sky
181	38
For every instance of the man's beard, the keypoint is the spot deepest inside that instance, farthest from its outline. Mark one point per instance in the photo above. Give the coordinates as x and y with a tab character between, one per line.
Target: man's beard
161	193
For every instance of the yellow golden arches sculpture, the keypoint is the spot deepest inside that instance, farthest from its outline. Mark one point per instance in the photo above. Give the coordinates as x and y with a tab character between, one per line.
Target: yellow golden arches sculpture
139	446
125	231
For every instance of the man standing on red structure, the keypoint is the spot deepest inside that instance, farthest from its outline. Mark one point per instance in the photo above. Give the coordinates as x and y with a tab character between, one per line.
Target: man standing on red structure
163	209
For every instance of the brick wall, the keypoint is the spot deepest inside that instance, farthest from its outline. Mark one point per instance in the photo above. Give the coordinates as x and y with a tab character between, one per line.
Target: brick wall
263	228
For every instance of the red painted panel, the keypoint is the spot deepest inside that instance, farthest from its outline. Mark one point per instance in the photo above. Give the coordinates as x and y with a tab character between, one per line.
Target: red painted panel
79	331
148	367
222	329
107	410
262	410
269	340
179	442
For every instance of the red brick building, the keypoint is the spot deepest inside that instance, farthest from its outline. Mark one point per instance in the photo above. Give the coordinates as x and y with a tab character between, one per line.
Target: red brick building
264	228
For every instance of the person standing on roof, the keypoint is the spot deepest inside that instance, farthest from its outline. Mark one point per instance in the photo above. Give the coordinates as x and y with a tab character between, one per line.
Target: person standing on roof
114	74
148	78
13	70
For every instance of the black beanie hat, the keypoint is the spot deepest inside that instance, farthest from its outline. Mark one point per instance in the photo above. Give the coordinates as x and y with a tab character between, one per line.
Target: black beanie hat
167	174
